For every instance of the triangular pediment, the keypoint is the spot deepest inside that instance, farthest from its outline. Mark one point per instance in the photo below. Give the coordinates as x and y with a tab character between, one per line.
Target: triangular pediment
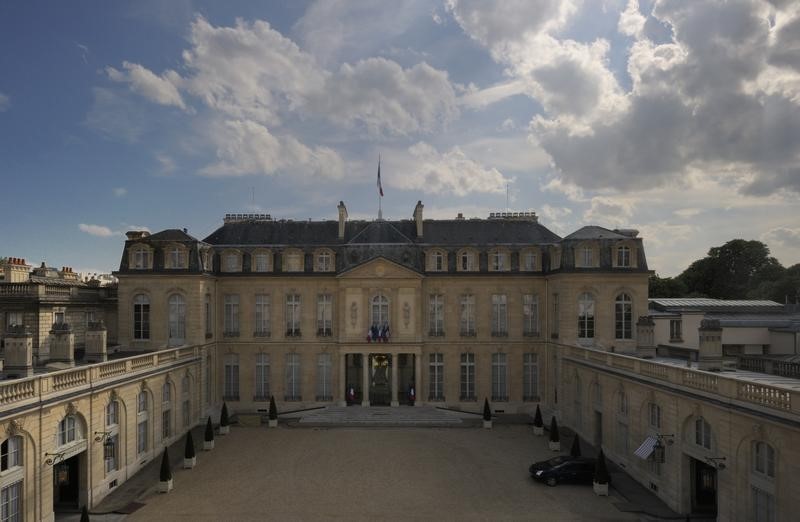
380	268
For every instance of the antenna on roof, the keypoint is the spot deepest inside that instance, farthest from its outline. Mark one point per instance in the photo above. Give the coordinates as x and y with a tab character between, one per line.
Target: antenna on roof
507	197
253	196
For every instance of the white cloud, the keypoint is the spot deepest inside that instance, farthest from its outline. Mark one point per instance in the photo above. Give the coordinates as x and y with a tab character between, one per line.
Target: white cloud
166	165
97	230
609	211
159	89
120	191
631	21
514	153
5	103
451	172
114	116
783	237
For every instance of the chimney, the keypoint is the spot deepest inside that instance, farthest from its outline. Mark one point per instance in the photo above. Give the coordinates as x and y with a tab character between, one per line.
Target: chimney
96	337
16	270
342	218
418	217
710	345
62	344
137	234
18	353
645	337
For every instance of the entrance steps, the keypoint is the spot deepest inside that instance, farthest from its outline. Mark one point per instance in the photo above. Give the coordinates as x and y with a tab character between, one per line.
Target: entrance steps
401	416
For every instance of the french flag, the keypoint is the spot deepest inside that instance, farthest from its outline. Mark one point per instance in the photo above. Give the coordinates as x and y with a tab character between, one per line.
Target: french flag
380	187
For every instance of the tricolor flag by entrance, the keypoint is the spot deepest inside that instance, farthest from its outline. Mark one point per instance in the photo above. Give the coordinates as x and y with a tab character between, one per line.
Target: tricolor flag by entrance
380	187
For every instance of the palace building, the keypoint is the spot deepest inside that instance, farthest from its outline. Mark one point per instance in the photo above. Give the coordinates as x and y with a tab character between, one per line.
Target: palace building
402	313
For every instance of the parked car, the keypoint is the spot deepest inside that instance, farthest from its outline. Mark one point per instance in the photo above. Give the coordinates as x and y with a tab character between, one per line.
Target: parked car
566	469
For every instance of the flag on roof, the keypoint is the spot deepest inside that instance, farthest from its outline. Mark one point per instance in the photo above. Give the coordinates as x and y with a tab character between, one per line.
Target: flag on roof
380	187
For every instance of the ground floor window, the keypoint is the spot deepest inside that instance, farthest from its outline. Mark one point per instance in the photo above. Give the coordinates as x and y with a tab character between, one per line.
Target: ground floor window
166	424
293	377
530	377
467	376
436	377
324	377
141	437
499	377
11	502
111	464
187	413
763	506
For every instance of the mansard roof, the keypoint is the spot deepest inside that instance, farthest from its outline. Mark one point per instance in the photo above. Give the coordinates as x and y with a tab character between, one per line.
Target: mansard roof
596	232
171	234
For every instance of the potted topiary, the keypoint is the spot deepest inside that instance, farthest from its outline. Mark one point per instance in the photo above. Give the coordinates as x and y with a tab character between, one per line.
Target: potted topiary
189	457
487	414
555	440
165	476
208	440
538	425
273	413
575	450
224	423
601	476
85	514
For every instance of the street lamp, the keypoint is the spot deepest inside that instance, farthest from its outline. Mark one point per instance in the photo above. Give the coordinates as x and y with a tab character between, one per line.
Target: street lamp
108	443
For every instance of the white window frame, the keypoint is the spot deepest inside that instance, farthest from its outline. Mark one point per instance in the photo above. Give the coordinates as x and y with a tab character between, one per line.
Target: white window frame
675	329
498	261
436	315
293	378
324	314
262	367
586	317
11	453
623	317
499	315
499	377
467	379
529	261
293	304
466	261
11	502
379	310
68	430
262	315
231	262
530	315
324	263
324	377
141	317
261	262
436	377
624	256
141	258
530	376
231	375
702	433
231	317
764	462
176	257
467	315
177	320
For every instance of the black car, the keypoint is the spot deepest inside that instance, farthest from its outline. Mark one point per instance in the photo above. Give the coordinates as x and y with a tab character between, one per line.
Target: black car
567	469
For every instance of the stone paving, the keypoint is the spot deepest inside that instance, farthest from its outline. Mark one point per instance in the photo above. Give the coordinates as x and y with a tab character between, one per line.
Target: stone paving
289	473
401	416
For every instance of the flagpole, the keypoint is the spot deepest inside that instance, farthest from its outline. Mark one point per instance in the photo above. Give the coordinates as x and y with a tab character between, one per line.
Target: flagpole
380	210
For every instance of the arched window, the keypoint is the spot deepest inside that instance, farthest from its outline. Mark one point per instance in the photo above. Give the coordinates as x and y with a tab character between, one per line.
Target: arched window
112	413
140	258
466	261
11	453
623	316
763	459
380	310
762	482
166	411
324	261
438	261
141	317
177	320
176	257
69	430
622	405
142	422
186	405
702	433
586	316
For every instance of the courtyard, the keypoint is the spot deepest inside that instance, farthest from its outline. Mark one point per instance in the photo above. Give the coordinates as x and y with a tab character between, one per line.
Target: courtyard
293	473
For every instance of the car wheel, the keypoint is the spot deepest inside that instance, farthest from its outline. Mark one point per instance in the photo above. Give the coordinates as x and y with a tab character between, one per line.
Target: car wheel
551	481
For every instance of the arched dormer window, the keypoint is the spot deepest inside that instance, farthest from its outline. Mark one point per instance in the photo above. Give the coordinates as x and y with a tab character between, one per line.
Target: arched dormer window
11	453
293	260
467	261
323	261
262	261
437	261
231	261
499	260
555	258
529	260
175	256
623	254
586	256
140	257
208	260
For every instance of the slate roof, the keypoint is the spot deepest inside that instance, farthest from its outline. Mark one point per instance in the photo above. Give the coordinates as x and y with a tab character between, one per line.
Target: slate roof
171	234
715	305
595	232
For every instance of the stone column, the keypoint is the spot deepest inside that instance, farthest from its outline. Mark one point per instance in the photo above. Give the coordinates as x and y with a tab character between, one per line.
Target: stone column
19	353
365	380
96	336
710	333
418	378
62	344
394	402
341	394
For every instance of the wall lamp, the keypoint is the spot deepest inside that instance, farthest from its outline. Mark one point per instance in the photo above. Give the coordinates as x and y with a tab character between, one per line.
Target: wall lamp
53	458
108	443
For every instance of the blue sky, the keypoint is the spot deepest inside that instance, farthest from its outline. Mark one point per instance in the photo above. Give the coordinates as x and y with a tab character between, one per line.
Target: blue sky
680	119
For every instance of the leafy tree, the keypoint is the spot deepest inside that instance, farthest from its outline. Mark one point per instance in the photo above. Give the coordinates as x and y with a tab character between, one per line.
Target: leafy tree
666	287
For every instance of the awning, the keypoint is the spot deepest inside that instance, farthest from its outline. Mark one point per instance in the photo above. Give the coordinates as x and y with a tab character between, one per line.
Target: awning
646	449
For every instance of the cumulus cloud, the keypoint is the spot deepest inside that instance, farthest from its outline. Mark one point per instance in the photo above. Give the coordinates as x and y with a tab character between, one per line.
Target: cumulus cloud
96	230
4	102
609	211
451	172
120	191
784	237
159	89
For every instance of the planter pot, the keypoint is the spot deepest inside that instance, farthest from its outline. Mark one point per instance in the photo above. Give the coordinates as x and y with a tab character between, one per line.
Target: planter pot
189	463
538	430
208	445
487	424
600	489
165	486
272	423
554	446
224	430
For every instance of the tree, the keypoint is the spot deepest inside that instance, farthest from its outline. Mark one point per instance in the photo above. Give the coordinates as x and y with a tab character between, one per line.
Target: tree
209	435
537	418
666	287
487	411
575	450
601	475
165	474
223	417
188	452
273	410
554	437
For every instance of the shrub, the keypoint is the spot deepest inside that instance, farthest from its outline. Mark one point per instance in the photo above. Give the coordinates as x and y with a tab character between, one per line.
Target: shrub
85	514
537	419
273	410
188	452
209	431
601	475
554	430
487	411
223	417
166	472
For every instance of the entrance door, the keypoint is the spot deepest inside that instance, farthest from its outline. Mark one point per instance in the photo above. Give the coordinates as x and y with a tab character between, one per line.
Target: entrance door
353	375
704	497
380	376
66	479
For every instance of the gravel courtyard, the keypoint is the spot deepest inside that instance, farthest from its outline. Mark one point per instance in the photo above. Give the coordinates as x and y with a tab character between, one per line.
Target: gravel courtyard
373	474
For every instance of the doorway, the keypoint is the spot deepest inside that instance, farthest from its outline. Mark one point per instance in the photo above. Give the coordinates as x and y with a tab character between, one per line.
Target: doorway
353	375
66	484
704	488
380	376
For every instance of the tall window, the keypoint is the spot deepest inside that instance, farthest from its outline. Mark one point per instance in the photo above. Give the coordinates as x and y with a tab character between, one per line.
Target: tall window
530	377
232	376
262	262
556	318
498	261
112	413
764	459
208	315
623	256
585	257
166	411
177	319
11	453
141	258
623	317
675	330
436	315
762	482
231	320
324	262
141	317
292	315
763	505
262	376
142	418
436	377
530	315
262	327
586	316
67	430
702	433
654	415
467	315
186	404
622	438
380	310
231	262
11	503
293	392
177	257
111	463
437	261
466	261
467	376
324	314
499	315
499	377
529	261
324	377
